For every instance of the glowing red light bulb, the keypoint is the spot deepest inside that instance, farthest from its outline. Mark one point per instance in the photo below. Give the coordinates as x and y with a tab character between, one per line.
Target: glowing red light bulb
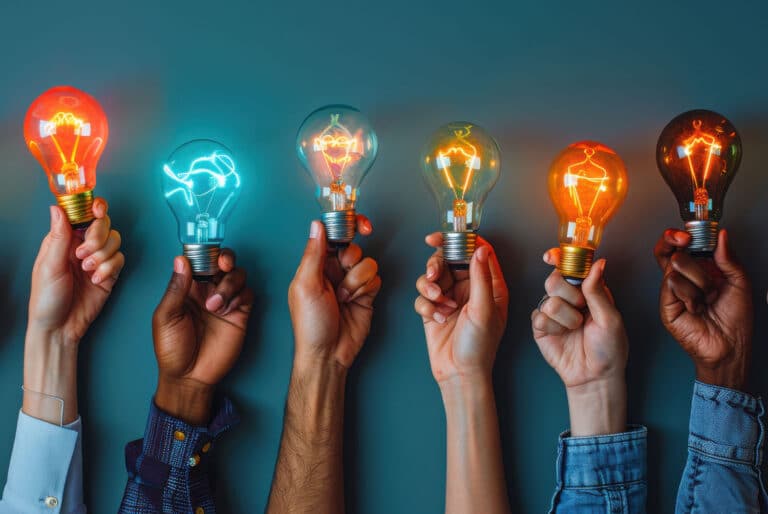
66	130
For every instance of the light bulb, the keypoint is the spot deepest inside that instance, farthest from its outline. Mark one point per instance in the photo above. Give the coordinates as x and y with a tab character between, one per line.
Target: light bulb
66	130
698	154
201	184
461	164
587	184
337	146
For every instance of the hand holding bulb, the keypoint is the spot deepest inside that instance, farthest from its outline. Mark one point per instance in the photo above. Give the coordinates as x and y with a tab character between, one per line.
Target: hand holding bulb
587	184
460	164
337	147
66	130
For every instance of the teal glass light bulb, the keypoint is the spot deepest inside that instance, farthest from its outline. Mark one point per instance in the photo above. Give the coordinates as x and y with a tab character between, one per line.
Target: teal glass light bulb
201	184
337	146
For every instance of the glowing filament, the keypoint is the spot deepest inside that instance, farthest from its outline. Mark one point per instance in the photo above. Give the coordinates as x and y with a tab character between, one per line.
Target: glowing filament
206	175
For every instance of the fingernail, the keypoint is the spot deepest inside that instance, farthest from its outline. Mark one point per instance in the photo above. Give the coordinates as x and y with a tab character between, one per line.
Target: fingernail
314	230
451	303
431	271
439	317
55	214
80	252
482	254
178	265
545	257
96	278
343	295
434	291
214	303
88	264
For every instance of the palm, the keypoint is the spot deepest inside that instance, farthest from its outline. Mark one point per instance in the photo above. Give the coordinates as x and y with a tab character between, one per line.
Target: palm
63	296
582	354
712	333
200	345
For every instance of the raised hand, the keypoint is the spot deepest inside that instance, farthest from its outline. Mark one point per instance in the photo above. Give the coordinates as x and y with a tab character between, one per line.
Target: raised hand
706	304
464	312
581	335
199	329
331	299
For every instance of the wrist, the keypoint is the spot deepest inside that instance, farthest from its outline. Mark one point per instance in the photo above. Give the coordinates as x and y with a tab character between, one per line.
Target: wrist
50	372
184	399
463	390
598	407
732	375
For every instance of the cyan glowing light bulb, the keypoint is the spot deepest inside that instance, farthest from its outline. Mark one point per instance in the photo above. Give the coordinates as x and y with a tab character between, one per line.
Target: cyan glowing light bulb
461	164
201	184
337	146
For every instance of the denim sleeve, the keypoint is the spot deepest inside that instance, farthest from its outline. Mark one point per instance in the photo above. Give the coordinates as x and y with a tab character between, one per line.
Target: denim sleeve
601	474
168	469
45	475
725	453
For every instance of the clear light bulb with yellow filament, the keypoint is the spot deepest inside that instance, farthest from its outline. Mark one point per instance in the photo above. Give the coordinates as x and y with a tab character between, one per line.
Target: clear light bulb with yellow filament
587	184
461	164
698	155
66	130
337	147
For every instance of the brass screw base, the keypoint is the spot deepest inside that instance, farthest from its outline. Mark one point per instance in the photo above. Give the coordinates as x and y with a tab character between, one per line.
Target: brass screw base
575	263
204	259
458	248
703	237
79	208
340	227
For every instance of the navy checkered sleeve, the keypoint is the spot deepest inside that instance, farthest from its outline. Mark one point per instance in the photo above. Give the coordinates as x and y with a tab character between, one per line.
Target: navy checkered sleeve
168	469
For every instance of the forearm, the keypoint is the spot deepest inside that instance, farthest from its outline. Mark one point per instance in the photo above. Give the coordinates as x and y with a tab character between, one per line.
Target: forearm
475	475
309	471
50	370
598	407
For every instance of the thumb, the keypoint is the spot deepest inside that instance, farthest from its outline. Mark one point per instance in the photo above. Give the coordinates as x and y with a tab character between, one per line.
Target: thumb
172	303
598	301
60	235
725	260
481	283
312	264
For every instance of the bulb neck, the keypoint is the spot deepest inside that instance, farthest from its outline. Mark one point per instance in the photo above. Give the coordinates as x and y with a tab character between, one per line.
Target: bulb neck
204	259
458	248
78	207
703	237
575	263
340	227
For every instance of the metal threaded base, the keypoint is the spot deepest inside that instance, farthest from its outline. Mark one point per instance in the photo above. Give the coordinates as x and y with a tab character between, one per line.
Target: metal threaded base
703	236
575	263
204	259
79	208
458	248
340	227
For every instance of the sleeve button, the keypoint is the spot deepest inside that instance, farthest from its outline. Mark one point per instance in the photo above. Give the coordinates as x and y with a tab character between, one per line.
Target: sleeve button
194	460
179	435
51	502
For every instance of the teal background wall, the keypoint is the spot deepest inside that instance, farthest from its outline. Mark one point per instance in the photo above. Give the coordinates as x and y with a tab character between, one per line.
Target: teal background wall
537	75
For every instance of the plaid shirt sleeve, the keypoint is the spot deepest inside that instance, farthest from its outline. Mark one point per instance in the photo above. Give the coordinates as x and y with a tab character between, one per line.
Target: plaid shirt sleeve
168	469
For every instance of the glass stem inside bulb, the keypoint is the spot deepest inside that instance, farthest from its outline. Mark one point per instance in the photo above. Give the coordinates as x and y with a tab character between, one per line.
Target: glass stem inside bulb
201	228
459	215
338	196
582	231
701	203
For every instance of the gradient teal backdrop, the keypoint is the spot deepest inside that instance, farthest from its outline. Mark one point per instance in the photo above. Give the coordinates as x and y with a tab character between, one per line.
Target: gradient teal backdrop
537	75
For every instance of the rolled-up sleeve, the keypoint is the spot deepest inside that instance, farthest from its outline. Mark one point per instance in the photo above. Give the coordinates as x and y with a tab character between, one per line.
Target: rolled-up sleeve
725	453
45	474
601	473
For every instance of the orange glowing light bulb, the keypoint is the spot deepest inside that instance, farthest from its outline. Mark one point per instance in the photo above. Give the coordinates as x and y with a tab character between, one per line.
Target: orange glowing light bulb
698	155
66	130
587	184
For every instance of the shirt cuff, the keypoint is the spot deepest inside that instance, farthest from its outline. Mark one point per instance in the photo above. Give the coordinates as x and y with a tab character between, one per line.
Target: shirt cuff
171	443
726	424
606	460
41	474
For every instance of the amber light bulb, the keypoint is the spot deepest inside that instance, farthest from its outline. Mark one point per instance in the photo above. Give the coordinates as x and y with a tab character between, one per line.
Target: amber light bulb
587	184
66	130
698	155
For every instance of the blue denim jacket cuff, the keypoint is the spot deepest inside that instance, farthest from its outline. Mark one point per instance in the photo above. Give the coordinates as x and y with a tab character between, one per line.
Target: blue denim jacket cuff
726	424
600	461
